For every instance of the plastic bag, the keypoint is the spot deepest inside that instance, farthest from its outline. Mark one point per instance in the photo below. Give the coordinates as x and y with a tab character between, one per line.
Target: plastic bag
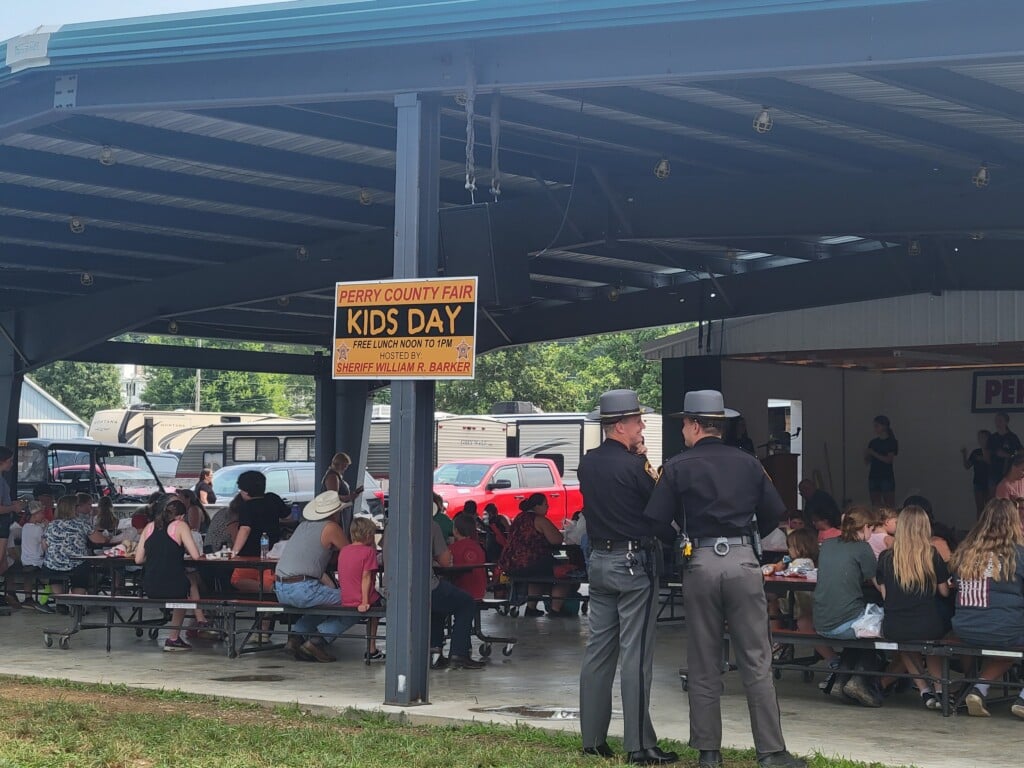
870	622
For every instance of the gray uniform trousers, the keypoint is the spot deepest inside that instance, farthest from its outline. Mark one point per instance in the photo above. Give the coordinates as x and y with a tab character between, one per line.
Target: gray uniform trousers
719	590
622	614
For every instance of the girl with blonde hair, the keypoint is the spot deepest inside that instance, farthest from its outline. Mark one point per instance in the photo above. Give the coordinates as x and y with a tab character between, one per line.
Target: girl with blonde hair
911	576
989	568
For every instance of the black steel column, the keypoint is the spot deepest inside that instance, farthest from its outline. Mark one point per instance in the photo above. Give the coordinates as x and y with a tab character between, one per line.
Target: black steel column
407	555
678	376
10	383
343	411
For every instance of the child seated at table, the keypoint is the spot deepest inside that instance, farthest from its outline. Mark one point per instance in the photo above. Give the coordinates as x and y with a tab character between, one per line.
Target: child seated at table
882	537
467	551
357	574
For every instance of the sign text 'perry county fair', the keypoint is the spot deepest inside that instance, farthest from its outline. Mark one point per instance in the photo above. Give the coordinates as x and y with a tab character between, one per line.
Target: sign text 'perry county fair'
405	329
998	391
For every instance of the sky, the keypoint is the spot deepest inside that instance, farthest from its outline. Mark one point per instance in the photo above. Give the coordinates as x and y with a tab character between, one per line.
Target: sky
18	17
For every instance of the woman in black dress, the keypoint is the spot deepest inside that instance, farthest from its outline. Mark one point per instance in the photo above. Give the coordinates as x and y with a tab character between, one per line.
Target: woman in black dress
162	547
912	577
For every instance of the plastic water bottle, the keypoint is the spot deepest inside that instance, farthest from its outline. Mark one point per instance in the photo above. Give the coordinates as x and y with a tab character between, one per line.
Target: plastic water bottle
264	545
296	511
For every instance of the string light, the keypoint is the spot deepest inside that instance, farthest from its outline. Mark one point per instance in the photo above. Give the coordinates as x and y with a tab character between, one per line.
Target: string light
763	122
981	177
663	169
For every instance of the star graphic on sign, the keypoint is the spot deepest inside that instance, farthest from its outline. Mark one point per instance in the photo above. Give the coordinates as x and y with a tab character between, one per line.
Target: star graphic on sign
343	349
463	350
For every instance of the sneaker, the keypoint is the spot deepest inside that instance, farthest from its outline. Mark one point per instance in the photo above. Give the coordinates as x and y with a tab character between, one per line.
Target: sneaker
178	644
1018	708
313	652
784	654
44	608
375	656
533	612
975	701
930	700
466	662
438	659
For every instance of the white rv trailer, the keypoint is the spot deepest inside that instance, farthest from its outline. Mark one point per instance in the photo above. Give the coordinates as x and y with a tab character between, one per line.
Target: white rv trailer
158	431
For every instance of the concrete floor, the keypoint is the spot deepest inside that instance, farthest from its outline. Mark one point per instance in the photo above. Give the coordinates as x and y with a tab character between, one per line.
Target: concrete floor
542	671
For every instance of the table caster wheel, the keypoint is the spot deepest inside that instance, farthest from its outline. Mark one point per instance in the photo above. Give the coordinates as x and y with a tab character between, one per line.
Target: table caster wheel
485	649
64	642
48	641
808	676
140	632
513	611
507	650
685	682
154	634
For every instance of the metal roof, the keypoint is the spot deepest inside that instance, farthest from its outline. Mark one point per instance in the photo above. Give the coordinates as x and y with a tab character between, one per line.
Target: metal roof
216	172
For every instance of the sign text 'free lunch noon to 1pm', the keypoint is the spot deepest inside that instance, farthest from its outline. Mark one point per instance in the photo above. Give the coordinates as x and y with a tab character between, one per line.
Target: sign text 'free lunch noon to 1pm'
405	329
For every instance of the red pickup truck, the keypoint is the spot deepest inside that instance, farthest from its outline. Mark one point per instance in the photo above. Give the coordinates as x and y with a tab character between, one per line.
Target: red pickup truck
505	483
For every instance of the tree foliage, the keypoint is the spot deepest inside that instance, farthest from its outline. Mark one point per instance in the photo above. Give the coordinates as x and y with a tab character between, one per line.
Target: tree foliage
559	376
84	388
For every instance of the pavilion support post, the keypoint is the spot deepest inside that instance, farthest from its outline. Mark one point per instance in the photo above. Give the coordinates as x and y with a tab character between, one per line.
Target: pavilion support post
11	378
343	411
407	556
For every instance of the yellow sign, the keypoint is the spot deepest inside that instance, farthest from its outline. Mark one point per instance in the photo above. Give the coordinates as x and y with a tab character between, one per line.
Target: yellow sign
405	329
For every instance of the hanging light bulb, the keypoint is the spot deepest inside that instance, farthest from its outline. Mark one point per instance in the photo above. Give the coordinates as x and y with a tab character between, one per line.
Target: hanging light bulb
107	155
663	169
85	279
914	248
172	326
77	225
301	254
981	176
979	235
763	122
460	98
283	301
365	197
612	293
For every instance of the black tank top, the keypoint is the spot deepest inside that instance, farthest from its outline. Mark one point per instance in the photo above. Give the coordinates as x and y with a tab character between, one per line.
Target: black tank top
164	573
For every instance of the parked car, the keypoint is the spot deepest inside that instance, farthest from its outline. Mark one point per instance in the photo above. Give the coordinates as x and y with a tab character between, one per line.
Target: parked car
505	483
296	482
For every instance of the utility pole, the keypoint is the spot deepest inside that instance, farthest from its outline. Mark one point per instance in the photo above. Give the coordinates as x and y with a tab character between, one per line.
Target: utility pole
199	379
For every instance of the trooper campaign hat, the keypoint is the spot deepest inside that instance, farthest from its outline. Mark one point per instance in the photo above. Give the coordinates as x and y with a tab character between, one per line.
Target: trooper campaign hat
323	506
617	404
707	403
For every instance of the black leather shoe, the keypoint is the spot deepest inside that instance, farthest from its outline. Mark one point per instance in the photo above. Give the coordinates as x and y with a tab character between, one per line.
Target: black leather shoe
781	760
710	758
651	756
601	750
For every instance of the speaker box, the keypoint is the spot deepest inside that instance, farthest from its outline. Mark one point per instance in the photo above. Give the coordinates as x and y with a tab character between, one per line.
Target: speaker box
472	243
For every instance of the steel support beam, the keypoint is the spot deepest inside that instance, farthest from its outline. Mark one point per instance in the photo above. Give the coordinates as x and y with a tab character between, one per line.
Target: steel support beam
412	414
343	411
211	358
11	380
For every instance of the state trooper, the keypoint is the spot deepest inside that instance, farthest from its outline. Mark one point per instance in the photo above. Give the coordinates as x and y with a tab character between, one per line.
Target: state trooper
719	496
616	482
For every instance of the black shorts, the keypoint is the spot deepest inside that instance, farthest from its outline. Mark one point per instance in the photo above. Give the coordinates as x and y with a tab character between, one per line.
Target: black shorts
6	520
78	577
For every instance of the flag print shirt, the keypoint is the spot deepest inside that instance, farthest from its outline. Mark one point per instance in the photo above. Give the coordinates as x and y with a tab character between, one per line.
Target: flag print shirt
992	609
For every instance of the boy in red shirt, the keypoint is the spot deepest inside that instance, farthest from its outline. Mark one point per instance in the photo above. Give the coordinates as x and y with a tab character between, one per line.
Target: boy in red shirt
466	550
357	575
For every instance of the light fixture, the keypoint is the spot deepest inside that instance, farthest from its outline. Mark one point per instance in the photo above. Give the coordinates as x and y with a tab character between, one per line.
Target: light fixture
77	225
612	293
713	295
663	169
85	279
365	197
914	248
107	155
172	327
301	254
763	122
283	301
981	176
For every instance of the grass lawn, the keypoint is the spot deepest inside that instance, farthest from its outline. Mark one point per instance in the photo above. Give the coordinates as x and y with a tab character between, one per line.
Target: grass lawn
48	724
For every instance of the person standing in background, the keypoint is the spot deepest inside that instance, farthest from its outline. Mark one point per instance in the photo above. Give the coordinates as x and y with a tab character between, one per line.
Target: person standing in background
879	456
978	460
1002	445
204	488
9	508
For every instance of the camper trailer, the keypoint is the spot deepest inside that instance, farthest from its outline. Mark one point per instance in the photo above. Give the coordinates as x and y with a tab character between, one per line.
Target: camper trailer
158	431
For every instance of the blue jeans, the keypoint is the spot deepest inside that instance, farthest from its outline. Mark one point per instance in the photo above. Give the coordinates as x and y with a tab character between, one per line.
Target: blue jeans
844	631
447	599
309	594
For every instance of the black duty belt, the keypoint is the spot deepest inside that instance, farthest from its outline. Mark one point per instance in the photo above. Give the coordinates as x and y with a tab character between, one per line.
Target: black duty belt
611	545
721	544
